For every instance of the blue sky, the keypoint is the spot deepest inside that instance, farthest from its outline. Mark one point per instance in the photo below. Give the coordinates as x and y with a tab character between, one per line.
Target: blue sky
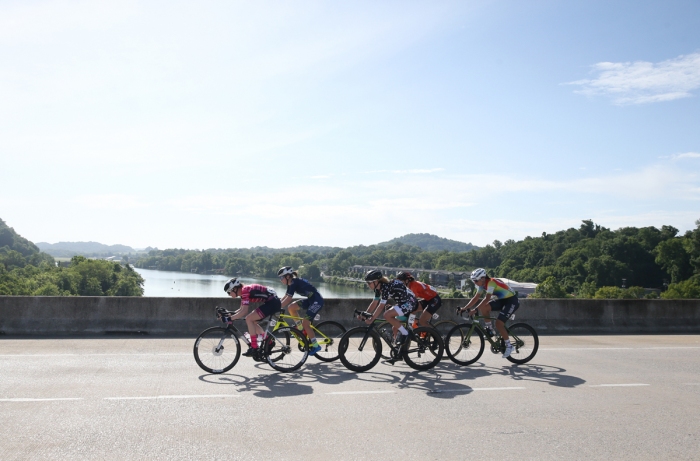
238	124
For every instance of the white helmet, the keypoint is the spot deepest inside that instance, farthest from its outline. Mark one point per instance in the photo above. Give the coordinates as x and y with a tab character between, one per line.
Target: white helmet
477	274
231	284
286	270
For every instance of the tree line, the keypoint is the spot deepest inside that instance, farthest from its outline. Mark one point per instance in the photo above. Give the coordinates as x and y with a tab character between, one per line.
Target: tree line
25	271
573	262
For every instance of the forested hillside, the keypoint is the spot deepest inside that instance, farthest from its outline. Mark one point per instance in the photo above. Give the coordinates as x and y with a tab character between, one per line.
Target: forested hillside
25	271
70	249
431	242
569	262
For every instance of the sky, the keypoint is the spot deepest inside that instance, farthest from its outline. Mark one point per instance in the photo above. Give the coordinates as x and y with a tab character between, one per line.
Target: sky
225	124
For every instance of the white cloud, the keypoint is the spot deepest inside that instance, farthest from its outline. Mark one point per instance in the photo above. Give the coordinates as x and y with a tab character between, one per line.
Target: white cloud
685	155
644	82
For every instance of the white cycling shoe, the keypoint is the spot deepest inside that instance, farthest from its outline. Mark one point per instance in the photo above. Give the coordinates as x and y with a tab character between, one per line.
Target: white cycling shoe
508	351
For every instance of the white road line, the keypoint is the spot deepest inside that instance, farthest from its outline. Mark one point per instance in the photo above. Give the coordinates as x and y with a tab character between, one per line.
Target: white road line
616	348
40	400
437	391
96	355
158	397
619	385
360	392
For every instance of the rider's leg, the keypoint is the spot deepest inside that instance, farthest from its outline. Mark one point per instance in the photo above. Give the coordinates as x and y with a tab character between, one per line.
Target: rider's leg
501	328
390	317
254	329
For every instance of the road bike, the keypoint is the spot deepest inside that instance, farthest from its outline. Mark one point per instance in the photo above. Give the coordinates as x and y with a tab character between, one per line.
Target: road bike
387	330
327	333
217	349
360	348
465	342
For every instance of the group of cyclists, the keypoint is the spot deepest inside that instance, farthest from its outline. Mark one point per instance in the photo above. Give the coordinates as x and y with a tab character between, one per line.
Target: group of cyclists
412	298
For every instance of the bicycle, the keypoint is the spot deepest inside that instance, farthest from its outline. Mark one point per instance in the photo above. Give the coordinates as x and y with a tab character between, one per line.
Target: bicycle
328	334
420	351
443	327
218	349
465	342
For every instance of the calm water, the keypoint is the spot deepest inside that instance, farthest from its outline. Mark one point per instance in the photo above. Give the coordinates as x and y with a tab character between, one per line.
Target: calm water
182	284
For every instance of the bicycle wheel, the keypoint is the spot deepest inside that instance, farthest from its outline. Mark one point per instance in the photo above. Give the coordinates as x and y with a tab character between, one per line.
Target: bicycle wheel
465	344
217	350
386	331
283	356
443	327
423	349
360	349
328	335
525	342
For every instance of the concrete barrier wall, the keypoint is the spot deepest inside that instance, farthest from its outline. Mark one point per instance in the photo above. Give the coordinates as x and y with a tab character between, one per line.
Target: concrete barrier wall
86	316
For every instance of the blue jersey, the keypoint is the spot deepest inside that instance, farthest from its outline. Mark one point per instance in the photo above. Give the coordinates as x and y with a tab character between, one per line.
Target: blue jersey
303	288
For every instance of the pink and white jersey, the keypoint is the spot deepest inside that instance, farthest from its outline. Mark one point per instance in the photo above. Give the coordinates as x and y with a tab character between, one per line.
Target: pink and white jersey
255	293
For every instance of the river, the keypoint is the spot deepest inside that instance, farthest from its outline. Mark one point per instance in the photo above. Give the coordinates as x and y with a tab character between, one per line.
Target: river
186	285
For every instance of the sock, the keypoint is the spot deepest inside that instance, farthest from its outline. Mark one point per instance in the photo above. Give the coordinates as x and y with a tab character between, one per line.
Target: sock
314	342
403	330
254	341
507	342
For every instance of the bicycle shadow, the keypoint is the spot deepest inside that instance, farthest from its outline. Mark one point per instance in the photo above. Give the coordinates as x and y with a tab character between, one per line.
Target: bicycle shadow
264	385
549	374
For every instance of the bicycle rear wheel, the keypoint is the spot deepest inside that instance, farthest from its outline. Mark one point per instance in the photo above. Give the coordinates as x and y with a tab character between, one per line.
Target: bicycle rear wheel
465	344
328	336
286	349
360	349
423	349
525	342
217	350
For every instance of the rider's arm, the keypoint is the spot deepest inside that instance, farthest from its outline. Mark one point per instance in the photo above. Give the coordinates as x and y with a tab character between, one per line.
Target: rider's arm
486	300
242	312
374	309
286	301
472	301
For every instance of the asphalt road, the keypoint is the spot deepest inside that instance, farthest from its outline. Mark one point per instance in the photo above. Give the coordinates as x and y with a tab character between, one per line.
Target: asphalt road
584	397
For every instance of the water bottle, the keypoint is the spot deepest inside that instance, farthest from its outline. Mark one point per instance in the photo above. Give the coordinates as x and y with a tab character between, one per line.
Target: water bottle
247	337
411	319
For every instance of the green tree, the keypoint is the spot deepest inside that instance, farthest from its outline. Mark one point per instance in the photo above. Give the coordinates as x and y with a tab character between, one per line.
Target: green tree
687	289
673	257
550	288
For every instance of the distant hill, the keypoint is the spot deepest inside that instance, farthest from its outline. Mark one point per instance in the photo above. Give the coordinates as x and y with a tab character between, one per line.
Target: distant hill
69	249
13	241
431	242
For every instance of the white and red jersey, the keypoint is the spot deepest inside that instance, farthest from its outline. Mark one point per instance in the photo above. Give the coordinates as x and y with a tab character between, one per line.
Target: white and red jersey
255	293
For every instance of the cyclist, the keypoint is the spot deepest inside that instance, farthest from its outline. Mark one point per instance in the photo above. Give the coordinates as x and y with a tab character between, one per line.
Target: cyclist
405	302
313	302
499	296
428	299
253	293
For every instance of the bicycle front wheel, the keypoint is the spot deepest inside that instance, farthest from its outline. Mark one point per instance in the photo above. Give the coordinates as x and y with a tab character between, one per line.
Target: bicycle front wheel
360	349
217	350
328	335
465	344
525	342
443	327
286	349
423	349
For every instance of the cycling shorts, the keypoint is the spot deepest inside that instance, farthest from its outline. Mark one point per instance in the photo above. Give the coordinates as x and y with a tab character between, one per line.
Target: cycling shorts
312	305
507	306
405	308
270	307
431	305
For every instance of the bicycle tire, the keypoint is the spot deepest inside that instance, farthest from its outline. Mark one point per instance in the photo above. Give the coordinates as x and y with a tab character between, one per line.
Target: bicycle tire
209	358
525	342
465	344
331	332
386	332
443	327
360	360
423	349
293	355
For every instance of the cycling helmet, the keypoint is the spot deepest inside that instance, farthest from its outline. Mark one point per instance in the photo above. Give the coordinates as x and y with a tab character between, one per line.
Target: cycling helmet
231	284
286	270
477	274
404	275
373	275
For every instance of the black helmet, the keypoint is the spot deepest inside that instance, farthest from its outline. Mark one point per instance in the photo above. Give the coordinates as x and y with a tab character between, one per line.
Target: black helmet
374	274
231	284
404	275
286	270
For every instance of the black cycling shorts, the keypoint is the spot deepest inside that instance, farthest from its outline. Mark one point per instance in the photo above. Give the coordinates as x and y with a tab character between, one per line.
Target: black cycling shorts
507	306
431	305
270	307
